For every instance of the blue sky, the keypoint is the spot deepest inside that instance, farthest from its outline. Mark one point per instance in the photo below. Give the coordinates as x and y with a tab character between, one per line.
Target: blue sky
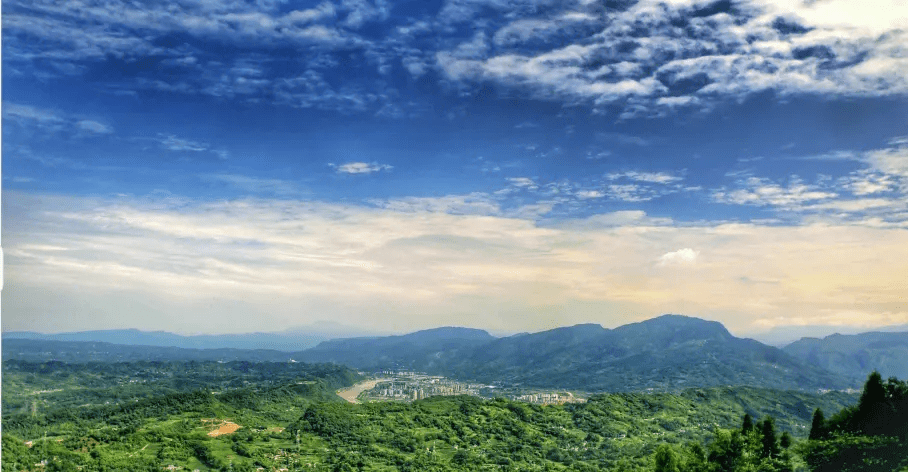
233	166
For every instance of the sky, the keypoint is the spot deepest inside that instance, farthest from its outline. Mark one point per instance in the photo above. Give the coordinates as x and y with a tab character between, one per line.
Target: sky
227	166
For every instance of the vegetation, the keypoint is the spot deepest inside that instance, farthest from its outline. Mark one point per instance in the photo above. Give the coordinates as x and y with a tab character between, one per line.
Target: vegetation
871	436
668	353
147	416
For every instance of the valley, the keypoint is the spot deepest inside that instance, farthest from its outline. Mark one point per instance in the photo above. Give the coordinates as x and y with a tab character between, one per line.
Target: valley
669	387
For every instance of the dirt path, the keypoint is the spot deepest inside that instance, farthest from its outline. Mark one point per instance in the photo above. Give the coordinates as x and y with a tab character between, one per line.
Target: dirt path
350	393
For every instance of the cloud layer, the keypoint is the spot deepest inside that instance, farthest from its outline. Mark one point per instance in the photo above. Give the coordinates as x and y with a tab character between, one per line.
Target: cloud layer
643	58
284	260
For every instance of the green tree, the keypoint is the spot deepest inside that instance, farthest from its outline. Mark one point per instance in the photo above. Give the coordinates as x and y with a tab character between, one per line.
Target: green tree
873	409
666	459
785	441
748	424
818	425
769	441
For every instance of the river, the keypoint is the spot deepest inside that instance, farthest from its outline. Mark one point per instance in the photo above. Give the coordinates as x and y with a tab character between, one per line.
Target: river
350	393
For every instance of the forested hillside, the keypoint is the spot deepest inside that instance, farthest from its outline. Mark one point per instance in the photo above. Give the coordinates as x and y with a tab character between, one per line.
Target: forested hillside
871	436
240	416
670	352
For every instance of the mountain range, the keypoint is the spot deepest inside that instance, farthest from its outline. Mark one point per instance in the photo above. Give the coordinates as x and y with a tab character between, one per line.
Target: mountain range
854	355
670	352
293	339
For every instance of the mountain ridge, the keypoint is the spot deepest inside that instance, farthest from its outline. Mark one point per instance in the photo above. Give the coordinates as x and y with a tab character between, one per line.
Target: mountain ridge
669	352
853	355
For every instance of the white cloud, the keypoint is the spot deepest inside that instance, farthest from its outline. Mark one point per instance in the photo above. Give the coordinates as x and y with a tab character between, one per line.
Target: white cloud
829	49
173	143
586	194
523	182
93	127
892	161
868	183
874	194
860	205
650	177
421	263
53	121
361	167
760	192
522	30
679	257
470	204
29	113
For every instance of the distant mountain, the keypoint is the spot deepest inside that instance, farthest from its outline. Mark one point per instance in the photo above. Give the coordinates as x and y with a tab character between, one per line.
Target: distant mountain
294	339
857	354
780	336
42	350
669	352
423	350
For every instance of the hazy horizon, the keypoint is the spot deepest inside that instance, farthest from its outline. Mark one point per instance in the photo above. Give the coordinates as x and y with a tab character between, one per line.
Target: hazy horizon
777	336
229	166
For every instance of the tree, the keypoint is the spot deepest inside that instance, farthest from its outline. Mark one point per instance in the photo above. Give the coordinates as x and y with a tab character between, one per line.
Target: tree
818	425
785	440
769	441
666	459
874	392
726	449
872	407
748	424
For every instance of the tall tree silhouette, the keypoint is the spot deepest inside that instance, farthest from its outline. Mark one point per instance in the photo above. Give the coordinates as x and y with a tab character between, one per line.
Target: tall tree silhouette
748	424
818	425
769	440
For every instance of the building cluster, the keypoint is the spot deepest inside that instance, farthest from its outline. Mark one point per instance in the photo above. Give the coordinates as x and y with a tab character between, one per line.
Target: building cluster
408	386
547	398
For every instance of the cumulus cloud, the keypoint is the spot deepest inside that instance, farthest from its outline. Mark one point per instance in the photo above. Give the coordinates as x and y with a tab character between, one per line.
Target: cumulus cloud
679	257
891	161
649	57
361	167
692	53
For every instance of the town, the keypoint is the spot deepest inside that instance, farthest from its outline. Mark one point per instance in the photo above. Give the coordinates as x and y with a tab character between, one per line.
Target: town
409	386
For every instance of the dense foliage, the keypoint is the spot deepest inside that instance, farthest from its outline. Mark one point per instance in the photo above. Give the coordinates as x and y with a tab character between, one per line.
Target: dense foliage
147	416
869	436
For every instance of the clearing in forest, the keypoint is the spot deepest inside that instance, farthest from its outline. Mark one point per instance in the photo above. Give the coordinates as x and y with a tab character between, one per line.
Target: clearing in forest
225	427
